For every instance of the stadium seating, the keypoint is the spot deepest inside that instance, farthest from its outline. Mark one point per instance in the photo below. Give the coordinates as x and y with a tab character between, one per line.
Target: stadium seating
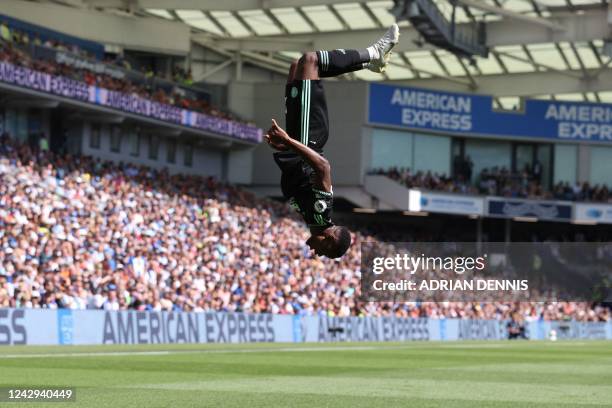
16	47
500	182
79	233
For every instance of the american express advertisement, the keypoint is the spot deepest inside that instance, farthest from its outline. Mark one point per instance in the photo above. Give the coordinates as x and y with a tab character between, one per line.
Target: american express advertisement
471	114
81	327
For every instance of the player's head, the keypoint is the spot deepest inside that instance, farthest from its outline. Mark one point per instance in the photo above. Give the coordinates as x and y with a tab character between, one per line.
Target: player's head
332	242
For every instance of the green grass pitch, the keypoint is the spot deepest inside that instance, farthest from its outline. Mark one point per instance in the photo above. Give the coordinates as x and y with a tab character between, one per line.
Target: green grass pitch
467	374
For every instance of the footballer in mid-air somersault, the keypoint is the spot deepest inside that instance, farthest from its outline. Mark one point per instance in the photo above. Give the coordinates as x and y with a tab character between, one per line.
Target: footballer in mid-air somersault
306	174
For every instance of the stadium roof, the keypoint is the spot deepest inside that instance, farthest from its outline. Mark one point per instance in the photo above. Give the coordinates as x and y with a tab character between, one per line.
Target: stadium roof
539	48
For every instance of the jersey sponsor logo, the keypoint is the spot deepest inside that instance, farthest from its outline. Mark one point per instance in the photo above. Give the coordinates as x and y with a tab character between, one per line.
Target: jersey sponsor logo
320	206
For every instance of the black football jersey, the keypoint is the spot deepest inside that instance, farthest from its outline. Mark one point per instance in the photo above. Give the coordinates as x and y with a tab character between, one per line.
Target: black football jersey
314	206
297	183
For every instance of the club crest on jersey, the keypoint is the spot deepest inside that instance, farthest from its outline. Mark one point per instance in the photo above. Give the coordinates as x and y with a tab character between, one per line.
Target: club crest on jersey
320	206
294	92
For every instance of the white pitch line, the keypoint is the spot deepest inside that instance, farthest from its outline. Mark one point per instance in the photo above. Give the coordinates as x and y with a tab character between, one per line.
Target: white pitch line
272	350
89	354
168	352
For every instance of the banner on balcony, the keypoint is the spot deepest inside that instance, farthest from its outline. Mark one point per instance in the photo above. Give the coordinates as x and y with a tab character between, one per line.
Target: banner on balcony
129	103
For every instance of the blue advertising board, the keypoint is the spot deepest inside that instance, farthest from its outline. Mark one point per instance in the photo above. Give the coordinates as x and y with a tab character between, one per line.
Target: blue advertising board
542	210
471	114
82	327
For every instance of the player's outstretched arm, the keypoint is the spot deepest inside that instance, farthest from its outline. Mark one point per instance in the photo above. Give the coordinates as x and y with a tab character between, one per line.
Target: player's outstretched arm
277	136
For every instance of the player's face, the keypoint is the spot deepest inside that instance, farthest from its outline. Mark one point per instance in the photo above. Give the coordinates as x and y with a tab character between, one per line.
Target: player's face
321	244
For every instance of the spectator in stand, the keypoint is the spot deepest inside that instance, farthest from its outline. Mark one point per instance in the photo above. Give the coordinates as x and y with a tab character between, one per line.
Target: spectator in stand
427	180
76	232
149	73
496	181
536	170
188	81
43	144
14	50
469	166
5	32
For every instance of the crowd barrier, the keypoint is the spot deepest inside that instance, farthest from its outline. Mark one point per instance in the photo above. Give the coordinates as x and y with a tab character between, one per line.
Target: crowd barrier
80	327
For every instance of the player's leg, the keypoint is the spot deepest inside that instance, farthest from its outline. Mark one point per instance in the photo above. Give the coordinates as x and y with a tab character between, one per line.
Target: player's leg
310	107
292	105
322	64
333	73
292	71
375	57
308	67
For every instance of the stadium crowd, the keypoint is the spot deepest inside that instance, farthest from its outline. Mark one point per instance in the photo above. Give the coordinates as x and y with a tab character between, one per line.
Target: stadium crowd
500	182
77	232
14	49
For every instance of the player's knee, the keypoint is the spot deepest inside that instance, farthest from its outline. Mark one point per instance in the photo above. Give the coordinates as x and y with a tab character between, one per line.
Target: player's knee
309	58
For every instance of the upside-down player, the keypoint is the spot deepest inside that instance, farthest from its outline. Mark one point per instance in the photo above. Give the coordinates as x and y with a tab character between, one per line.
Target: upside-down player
306	174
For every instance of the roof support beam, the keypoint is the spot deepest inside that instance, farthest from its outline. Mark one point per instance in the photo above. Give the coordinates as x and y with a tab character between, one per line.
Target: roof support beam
468	74
540	66
455	80
244	23
409	65
579	58
264	43
591	25
440	63
306	18
371	14
216	22
339	17
216	69
563	56
276	21
481	5
252	58
214	5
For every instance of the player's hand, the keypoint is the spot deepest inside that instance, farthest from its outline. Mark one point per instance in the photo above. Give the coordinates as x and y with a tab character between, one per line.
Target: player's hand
276	135
276	146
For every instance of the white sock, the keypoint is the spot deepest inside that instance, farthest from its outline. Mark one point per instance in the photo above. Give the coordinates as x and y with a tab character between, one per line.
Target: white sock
373	51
